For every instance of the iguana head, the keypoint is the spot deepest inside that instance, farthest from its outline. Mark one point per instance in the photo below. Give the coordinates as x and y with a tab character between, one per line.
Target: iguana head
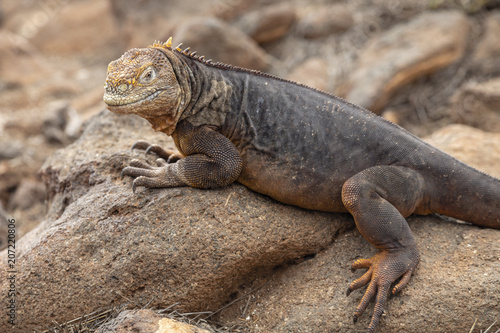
144	82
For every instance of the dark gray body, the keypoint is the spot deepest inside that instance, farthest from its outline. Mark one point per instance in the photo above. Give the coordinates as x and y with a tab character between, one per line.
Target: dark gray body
300	145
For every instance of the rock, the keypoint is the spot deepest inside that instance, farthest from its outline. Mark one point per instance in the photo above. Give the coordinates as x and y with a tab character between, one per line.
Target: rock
28	193
478	105
486	56
475	6
404	53
487	92
21	64
167	325
267	24
27	77
11	150
146	321
62	123
470	145
230	10
455	283
3	227
101	244
313	72
393	116
90	38
219	41
326	21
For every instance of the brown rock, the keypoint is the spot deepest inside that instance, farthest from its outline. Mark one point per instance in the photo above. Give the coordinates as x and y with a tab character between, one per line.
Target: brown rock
167	325
431	41
455	283
28	193
230	10
101	244
487	92
75	28
11	150
62	123
487	54
313	72
20	64
393	116
471	145
3	227
478	105
326	21
219	41
27	77
146	321
269	23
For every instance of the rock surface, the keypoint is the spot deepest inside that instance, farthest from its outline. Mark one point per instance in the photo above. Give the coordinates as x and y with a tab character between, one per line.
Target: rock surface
218	41
456	282
477	148
28	192
146	321
486	56
80	18
478	105
101	244
313	72
3	227
268	24
326	21
404	53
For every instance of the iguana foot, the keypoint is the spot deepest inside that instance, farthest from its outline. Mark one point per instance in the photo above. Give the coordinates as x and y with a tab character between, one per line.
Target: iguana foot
383	270
164	175
169	155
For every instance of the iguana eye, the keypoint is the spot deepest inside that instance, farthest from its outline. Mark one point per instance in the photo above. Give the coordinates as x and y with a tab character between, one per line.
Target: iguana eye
148	76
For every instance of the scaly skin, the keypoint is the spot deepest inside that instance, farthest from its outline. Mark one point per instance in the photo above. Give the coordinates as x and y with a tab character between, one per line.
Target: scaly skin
300	146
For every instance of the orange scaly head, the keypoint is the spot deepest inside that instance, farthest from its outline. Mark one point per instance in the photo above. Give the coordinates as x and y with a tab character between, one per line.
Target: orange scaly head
144	82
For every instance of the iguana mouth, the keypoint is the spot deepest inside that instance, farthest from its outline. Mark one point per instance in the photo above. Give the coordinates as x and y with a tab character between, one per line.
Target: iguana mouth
116	100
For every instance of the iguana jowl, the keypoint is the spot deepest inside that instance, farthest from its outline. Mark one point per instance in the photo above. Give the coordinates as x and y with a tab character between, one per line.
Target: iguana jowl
300	146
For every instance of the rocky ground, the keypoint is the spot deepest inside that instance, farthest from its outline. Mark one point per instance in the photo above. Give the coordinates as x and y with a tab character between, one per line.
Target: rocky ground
432	66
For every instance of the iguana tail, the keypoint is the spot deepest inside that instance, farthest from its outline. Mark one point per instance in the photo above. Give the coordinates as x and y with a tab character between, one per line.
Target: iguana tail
467	194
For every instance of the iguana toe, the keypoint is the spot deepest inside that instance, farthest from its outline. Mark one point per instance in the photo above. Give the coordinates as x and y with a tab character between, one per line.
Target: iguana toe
170	155
383	270
143	145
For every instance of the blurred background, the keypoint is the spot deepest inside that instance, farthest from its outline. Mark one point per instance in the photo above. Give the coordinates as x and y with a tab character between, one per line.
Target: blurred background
424	64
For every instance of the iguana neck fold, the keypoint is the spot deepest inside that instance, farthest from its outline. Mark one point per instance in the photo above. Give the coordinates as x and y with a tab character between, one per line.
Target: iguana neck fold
210	96
205	94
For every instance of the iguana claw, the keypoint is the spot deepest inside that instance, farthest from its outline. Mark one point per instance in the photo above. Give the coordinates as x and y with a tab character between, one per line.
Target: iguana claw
383	270
169	155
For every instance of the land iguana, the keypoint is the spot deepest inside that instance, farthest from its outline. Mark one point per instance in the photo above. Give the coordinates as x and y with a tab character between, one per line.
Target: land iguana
300	146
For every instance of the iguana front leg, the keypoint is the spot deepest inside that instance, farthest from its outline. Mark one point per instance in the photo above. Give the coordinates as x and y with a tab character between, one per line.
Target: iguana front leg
379	198
211	160
169	155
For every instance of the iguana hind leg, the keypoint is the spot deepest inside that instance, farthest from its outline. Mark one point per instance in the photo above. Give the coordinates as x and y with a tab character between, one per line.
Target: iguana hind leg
379	198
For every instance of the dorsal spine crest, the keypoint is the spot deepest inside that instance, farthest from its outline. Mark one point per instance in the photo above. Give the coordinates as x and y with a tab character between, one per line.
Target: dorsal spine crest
193	55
